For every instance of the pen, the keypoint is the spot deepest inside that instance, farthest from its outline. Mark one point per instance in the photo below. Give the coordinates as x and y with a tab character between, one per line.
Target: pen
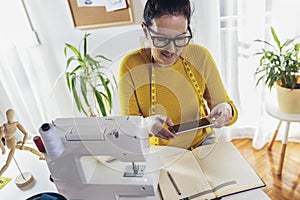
173	182
160	193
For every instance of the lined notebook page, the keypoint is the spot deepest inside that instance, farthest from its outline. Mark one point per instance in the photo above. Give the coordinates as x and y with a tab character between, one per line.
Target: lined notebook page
187	176
226	169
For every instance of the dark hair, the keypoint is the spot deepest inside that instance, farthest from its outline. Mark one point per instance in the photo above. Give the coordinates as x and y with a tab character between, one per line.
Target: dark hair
157	8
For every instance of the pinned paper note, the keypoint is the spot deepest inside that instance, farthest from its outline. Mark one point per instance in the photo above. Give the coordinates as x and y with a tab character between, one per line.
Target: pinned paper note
90	3
4	181
112	5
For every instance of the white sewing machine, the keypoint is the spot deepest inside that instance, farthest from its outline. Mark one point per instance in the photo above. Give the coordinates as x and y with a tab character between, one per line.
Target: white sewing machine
81	171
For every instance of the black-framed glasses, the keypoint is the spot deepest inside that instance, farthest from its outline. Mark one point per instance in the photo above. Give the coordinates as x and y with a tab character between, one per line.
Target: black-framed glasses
178	41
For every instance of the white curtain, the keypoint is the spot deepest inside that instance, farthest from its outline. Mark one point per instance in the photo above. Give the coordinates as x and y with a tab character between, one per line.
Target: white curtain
25	79
228	29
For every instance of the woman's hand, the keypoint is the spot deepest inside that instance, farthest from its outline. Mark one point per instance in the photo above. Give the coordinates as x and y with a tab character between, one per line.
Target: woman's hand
155	126
222	113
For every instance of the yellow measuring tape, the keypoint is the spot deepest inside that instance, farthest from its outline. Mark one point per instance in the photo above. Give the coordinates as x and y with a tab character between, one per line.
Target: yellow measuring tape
153	91
153	139
194	82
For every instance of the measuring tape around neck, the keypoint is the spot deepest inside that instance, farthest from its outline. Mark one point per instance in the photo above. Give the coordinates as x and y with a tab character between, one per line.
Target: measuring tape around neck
153	139
194	81
153	91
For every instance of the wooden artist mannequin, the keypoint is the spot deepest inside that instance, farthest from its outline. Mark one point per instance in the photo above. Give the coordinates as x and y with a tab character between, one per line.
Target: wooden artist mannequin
7	131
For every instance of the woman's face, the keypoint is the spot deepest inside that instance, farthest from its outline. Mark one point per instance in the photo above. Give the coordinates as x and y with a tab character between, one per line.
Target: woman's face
169	26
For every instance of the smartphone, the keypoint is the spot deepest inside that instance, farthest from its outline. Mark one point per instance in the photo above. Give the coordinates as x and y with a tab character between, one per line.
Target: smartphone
191	126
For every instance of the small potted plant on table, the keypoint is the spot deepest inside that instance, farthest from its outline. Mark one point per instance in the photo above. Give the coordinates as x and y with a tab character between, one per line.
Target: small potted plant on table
279	66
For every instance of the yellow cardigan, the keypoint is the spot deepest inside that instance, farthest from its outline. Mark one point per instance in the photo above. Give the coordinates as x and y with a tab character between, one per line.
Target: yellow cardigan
175	94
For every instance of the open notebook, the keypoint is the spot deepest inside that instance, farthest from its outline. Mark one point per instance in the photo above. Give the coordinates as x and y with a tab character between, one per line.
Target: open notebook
207	172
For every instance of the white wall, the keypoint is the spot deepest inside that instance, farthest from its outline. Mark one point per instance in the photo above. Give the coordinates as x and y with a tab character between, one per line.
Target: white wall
53	24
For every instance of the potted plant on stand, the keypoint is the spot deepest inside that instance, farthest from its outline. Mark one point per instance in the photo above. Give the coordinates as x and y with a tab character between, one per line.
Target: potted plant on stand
279	66
88	80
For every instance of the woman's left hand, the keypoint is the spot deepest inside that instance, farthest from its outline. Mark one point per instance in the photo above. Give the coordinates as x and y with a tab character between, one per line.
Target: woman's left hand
155	126
222	113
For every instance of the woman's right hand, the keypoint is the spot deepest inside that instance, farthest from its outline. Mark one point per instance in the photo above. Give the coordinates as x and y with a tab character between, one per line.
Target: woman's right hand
155	126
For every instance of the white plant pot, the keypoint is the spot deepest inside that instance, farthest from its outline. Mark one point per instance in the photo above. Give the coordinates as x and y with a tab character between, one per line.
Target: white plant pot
288	100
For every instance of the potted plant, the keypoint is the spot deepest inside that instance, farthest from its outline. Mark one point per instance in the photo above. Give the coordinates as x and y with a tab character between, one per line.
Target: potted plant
279	66
88	81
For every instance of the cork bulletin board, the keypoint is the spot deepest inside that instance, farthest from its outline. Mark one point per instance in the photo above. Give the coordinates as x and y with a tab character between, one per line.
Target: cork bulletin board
95	17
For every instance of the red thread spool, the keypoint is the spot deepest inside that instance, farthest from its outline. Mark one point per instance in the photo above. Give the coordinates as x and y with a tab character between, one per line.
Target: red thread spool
39	143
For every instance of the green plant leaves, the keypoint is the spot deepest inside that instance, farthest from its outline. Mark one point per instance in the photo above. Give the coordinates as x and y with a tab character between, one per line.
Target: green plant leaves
102	57
266	42
275	38
85	44
84	90
281	64
69	61
105	83
88	81
68	80
75	51
75	95
100	101
297	47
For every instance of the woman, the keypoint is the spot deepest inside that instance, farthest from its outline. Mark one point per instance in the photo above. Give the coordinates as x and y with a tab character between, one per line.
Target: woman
173	81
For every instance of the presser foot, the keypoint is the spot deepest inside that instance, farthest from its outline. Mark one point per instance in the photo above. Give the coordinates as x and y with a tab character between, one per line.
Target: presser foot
134	170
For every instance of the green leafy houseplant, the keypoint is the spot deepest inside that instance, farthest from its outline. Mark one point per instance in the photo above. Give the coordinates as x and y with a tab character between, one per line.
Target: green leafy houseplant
88	81
279	64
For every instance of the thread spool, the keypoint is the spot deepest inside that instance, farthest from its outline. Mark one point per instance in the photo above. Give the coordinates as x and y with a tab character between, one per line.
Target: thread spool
39	144
52	142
